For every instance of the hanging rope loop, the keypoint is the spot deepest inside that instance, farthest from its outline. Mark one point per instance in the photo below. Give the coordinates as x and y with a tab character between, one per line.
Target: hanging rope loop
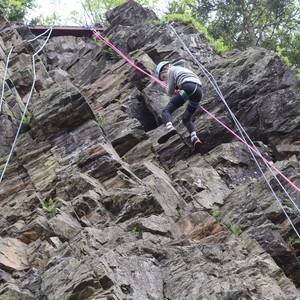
28	100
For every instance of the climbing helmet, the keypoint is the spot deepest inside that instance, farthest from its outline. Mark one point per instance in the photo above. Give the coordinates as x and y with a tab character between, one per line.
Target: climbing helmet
160	66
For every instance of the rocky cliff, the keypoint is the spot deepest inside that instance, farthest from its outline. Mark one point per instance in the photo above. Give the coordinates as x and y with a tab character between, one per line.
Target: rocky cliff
133	219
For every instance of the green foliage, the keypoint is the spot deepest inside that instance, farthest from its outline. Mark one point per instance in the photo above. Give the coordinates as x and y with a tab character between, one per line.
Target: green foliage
159	23
293	241
53	19
26	120
100	121
187	18
112	55
95	9
215	213
287	203
119	101
182	7
134	230
281	53
48	205
54	16
97	41
15	10
234	229
219	46
242	24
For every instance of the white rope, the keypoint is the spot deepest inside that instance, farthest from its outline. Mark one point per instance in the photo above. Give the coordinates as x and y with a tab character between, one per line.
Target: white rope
241	130
4	77
28	101
6	67
42	34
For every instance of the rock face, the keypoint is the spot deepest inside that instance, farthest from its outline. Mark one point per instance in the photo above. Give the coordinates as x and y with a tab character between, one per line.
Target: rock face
133	219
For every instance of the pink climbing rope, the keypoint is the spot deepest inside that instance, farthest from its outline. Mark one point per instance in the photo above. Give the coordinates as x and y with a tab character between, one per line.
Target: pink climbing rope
98	35
253	149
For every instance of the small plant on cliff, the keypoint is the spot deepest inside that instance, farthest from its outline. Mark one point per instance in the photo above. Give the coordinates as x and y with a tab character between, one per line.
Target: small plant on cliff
219	46
97	41
100	121
134	229
187	18
159	23
111	53
215	213
26	120
234	229
119	101
287	203
293	241
48	205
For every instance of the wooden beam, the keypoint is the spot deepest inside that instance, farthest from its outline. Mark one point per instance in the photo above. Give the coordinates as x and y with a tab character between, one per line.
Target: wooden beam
62	30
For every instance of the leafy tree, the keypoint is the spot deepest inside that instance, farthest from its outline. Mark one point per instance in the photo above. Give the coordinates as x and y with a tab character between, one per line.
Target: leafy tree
272	24
53	17
15	10
93	12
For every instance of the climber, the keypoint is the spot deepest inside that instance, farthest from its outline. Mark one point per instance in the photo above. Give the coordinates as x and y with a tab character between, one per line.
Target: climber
189	89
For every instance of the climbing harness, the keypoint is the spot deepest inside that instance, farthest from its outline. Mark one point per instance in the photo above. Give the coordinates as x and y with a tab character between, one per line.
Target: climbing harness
29	98
184	95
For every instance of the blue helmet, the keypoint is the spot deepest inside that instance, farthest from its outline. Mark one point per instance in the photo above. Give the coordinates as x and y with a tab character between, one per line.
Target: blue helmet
160	66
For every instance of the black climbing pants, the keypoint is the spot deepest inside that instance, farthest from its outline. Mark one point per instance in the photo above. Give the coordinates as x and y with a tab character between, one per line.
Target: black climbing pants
194	91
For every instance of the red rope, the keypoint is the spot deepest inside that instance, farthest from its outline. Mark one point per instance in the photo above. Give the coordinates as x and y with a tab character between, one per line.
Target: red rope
98	35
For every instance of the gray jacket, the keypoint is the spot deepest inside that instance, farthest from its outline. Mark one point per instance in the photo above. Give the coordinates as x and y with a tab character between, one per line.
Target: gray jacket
177	75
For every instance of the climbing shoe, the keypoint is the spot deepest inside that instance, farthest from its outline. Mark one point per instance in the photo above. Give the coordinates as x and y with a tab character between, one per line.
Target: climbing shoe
196	144
171	131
